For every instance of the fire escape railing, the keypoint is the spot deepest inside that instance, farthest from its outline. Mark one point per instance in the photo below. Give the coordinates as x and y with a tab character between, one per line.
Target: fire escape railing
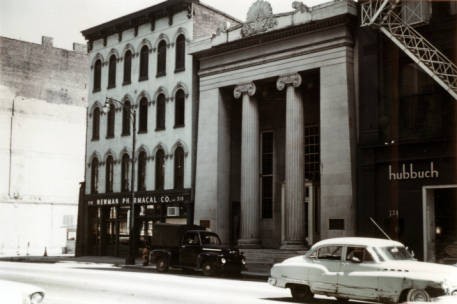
383	14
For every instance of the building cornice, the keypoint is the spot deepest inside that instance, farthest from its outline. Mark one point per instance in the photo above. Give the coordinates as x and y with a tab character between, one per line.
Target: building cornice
252	41
147	15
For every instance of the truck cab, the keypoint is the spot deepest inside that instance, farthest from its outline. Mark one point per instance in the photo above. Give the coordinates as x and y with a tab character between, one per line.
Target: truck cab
193	248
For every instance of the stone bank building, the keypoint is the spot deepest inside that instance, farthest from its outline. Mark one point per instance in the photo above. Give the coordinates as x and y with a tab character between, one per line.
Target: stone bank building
276	147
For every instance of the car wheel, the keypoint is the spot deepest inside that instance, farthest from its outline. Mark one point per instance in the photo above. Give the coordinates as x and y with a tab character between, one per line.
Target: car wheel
301	293
417	295
162	264
208	269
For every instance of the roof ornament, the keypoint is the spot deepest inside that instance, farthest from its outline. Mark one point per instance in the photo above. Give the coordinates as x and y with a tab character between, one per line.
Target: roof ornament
300	6
259	19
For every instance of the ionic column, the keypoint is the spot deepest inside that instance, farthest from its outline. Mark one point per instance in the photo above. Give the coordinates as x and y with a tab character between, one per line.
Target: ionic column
250	205
294	183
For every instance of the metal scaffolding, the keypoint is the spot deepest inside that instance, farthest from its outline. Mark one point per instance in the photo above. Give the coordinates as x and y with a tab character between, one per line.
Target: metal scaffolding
385	15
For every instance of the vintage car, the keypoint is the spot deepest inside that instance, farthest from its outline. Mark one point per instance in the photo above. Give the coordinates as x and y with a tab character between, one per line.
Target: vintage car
20	293
364	269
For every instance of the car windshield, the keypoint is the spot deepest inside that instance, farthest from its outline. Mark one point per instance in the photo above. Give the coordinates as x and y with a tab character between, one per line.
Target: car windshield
210	239
396	253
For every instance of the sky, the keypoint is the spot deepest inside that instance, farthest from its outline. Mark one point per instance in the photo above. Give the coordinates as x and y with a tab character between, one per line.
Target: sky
64	20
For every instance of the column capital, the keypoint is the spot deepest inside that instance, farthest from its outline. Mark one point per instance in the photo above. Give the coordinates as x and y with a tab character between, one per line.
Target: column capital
245	88
290	79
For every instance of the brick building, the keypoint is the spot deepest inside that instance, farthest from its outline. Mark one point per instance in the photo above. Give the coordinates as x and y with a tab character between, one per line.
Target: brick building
42	110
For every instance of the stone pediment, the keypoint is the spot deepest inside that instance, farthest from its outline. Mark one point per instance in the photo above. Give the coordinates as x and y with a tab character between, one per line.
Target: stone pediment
260	19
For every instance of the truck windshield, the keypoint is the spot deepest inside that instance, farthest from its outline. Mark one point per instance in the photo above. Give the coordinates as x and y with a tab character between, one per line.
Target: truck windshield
396	253
210	239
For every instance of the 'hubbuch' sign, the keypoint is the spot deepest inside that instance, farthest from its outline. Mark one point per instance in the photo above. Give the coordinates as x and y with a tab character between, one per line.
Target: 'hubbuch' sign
409	172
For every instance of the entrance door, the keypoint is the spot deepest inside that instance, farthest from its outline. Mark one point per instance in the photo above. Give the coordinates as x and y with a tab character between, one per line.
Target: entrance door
446	224
440	223
309	212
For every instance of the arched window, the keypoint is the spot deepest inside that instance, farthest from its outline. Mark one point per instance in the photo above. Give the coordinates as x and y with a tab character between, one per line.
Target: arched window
179	168
142	171
96	124
179	108
110	122
94	176
144	62
180	53
126	118
160	119
125	172
143	115
109	174
160	169
112	72
161	58
97	75
127	67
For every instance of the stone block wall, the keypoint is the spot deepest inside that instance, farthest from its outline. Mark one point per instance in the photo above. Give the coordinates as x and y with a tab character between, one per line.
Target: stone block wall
41	71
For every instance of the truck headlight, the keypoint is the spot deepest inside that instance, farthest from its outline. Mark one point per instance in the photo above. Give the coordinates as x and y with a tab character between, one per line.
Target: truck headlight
223	260
243	261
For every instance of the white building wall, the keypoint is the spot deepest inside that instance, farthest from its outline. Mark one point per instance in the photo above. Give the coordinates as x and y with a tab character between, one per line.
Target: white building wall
41	185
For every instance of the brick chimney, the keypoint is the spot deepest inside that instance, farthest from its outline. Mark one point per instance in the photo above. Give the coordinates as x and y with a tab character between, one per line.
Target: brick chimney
47	41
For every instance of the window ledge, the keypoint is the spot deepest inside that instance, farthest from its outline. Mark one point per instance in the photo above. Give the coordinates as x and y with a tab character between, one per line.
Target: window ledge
143	78
142	131
179	126
160	129
127	83
111	86
177	70
161	74
109	136
96	90
125	134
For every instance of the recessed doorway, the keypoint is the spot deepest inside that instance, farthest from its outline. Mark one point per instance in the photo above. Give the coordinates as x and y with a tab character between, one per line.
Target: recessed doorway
440	223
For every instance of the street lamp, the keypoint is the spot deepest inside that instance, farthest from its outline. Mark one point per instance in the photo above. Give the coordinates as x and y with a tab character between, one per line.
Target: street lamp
130	260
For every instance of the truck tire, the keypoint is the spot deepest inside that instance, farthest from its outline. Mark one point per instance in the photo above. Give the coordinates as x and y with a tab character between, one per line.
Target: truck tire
208	268
162	263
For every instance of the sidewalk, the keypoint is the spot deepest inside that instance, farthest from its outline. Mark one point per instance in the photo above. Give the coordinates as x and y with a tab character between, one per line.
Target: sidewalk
254	270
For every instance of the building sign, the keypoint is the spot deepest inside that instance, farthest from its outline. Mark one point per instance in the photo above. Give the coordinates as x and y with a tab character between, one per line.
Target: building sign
149	198
409	172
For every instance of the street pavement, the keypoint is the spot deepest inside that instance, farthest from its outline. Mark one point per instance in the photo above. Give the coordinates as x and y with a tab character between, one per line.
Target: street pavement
103	283
102	280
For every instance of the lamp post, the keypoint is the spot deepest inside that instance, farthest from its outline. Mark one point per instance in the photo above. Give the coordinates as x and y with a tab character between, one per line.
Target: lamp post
130	259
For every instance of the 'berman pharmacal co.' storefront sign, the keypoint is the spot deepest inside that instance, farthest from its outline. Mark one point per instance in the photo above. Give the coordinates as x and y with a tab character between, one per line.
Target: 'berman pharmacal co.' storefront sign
144	198
408	172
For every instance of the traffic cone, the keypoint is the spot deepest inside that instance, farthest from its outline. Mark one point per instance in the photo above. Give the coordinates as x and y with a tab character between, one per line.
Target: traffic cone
45	251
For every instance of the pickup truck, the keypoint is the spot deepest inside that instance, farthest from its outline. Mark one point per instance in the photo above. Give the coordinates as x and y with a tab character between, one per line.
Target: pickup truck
193	248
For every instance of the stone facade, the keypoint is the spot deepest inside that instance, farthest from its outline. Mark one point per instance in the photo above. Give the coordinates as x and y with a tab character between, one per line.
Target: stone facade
42	110
301	64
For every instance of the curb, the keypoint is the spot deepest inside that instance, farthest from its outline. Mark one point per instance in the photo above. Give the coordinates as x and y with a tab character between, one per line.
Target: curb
258	273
